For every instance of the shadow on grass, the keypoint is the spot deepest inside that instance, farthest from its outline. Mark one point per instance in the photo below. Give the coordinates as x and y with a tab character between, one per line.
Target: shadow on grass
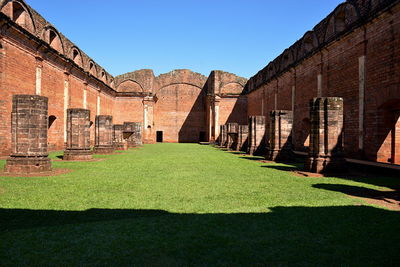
253	158
344	235
281	168
358	191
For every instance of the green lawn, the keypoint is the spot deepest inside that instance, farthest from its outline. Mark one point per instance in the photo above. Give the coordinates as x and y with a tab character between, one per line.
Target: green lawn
187	204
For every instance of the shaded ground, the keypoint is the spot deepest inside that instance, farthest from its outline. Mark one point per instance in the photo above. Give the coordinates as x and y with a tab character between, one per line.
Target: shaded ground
186	204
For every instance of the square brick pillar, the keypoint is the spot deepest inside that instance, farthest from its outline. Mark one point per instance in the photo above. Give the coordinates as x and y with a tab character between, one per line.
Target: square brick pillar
118	137
78	135
133	134
103	135
326	146
280	146
232	131
223	136
242	138
29	122
256	135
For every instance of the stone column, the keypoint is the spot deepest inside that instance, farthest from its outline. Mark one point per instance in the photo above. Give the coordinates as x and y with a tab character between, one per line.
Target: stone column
242	138
133	134
280	146
78	135
148	120
232	132
256	135
223	137
103	134
29	122
118	137
326	146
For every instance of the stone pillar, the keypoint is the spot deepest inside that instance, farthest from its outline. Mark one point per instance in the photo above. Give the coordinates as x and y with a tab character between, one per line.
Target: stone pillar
133	134
118	137
223	136
232	132
326	145
242	138
29	122
148	120
103	134
78	135
256	135
280	146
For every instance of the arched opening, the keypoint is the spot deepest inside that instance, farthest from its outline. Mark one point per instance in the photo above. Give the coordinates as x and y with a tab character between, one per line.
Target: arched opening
54	40
76	57
92	68
340	23
19	13
52	119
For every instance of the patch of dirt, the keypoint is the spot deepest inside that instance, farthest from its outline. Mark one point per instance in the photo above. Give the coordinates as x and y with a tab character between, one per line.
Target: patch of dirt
90	160
54	172
307	174
386	199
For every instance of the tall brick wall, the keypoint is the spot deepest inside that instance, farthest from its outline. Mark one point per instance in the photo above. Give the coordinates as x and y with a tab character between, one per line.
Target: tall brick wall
351	54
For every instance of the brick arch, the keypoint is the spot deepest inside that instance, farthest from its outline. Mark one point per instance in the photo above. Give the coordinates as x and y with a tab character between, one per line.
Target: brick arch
53	38
130	85
20	13
103	75
342	18
76	55
231	88
92	68
308	43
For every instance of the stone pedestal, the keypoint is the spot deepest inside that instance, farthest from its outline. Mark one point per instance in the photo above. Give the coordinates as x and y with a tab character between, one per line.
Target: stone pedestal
29	122
232	131
326	136
223	136
78	135
118	137
280	146
133	134
103	135
242	142
256	135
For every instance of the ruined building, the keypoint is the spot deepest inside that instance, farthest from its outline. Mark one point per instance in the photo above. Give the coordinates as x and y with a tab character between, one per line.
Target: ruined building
352	55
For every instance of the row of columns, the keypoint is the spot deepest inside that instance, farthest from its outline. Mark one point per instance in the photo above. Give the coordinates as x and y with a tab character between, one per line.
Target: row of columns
29	135
326	152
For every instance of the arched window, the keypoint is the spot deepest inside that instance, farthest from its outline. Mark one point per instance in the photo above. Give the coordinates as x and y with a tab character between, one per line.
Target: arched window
52	118
19	13
52	37
76	57
92	68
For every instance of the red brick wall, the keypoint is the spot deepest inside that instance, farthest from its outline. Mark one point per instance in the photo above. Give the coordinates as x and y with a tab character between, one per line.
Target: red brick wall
338	63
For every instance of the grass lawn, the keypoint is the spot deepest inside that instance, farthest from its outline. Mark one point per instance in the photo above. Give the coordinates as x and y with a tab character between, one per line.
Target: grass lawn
187	204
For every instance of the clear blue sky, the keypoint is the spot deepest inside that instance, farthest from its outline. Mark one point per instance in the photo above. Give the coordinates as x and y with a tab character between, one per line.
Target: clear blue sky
239	36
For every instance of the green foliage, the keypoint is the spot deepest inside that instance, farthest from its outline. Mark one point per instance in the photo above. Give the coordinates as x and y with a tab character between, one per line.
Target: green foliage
186	204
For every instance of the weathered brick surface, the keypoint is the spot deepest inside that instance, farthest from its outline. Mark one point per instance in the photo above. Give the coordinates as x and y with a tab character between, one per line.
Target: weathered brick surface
243	134
29	123
104	134
133	134
78	135
118	137
326	136
279	144
327	62
223	137
256	135
232	132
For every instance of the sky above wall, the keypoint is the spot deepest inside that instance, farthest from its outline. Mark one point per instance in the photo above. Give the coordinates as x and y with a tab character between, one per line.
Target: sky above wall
238	36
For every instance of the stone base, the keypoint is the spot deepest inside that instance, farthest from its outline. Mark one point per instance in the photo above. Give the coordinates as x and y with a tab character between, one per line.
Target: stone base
121	146
72	154
133	145
26	165
256	151
280	155
104	150
325	165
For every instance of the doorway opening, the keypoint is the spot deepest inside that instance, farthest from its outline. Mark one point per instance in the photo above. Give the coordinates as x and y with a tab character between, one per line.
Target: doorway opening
159	137
202	137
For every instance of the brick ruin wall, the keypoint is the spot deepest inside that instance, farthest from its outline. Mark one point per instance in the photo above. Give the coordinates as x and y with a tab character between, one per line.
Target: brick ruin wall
354	54
37	59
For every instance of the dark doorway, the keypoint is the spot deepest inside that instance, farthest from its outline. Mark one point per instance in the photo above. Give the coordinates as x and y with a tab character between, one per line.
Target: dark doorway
202	137
159	136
